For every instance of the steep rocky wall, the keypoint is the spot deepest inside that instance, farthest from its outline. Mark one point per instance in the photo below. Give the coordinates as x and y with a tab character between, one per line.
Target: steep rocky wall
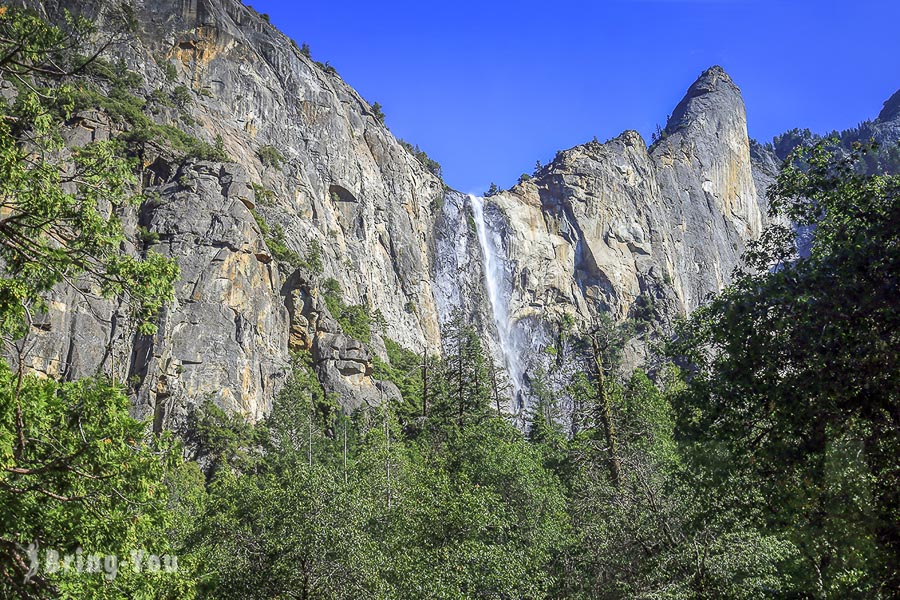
345	182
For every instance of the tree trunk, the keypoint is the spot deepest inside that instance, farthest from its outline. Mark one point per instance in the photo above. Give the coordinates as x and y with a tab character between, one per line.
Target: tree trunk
603	409
425	382
462	390
494	386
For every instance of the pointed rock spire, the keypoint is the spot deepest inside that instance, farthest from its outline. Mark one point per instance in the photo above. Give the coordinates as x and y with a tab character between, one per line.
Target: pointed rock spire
712	98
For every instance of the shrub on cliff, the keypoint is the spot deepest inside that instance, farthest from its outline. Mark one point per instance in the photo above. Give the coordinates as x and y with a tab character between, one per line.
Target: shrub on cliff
269	156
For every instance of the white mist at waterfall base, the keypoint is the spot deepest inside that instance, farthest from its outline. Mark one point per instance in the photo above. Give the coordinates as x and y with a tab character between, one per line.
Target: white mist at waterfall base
499	292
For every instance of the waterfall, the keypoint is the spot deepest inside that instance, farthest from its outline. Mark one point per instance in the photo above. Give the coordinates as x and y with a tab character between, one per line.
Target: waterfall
499	290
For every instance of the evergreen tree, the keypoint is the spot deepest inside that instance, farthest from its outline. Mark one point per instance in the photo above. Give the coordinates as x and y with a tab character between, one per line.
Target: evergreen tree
60	205
462	385
80	475
294	520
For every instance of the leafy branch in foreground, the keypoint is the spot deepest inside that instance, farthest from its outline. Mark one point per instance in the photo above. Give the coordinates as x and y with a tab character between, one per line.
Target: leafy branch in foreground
76	471
58	206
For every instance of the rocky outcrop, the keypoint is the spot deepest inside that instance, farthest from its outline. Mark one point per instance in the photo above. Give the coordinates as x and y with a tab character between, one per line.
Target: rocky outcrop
886	128
890	112
343	364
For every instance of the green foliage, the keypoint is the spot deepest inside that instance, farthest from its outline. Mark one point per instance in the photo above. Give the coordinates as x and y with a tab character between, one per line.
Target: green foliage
270	156
379	320
354	319
483	520
221	439
117	73
127	109
544	426
260	222
652	532
147	236
524	177
277	244
645	315
182	97
875	160
493	190
54	230
304	50
464	390
767	470
121	106
263	195
160	98
782	145
369	515
279	249
313	258
188	146
470	223
77	471
311	531
355	322
216	153
377	112
167	67
431	165
326	67
658	135
296	507
404	369
796	375
611	336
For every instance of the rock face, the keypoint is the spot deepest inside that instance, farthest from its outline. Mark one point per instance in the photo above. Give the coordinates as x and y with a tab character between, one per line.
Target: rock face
342	184
886	128
223	336
343	364
618	228
317	188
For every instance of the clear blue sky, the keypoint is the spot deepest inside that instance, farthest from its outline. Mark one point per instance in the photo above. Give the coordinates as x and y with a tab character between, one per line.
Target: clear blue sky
487	88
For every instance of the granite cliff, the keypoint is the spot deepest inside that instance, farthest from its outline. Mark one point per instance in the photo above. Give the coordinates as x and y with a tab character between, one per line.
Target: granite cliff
316	193
341	187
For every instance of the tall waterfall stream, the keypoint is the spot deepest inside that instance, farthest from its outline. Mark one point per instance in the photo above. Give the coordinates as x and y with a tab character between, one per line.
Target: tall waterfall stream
499	290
